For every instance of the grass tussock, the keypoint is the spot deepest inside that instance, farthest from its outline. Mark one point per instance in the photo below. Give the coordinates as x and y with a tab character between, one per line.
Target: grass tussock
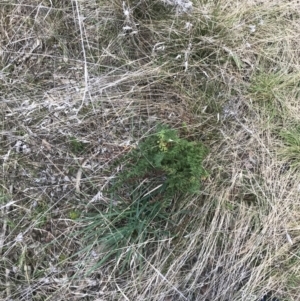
86	212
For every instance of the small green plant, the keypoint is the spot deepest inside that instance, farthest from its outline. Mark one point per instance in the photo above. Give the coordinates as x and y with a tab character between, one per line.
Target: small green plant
74	214
291	151
265	85
77	146
177	162
161	169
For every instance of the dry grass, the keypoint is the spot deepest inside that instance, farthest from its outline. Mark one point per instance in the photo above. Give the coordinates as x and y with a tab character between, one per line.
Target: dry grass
81	82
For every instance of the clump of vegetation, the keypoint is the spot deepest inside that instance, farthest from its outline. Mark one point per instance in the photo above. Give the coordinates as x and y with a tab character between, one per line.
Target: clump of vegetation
161	168
291	151
177	162
77	146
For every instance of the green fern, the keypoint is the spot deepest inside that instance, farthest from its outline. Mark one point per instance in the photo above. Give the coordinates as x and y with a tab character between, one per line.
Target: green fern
175	160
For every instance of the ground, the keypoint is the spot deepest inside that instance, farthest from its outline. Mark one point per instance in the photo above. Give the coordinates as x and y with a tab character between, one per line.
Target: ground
84	83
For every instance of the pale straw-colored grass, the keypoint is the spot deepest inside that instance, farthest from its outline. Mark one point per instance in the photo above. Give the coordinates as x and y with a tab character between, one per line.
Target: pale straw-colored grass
81	82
